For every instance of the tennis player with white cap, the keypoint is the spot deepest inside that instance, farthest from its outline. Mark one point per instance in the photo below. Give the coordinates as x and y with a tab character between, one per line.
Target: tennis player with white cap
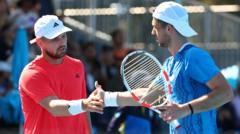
49	26
52	86
198	87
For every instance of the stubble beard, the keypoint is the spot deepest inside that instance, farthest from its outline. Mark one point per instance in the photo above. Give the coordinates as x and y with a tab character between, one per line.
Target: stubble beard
166	43
57	55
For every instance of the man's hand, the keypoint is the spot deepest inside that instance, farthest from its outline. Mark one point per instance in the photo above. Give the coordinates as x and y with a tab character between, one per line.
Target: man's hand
115	99
99	91
172	111
94	103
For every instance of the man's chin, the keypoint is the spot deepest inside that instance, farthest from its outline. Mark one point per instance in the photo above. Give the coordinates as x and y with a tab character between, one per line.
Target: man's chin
162	45
59	56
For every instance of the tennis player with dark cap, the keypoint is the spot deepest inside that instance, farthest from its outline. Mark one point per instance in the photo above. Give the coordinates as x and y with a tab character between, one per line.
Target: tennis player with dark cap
52	86
198	87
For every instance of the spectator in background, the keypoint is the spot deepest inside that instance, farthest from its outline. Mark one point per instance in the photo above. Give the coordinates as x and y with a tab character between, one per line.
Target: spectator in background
117	39
119	52
47	7
108	68
115	83
118	43
93	73
7	36
9	99
4	12
92	65
73	49
5	83
108	72
6	32
26	14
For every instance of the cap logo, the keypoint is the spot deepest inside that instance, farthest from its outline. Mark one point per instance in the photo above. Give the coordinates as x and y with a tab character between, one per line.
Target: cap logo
55	25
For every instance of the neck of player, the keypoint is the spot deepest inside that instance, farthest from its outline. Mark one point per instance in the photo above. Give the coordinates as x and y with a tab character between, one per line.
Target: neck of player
175	44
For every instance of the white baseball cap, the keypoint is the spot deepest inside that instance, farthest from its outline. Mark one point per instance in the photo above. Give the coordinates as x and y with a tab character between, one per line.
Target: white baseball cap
48	26
176	15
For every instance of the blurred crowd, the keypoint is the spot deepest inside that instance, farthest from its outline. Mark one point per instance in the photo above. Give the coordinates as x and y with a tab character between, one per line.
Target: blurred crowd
102	64
14	15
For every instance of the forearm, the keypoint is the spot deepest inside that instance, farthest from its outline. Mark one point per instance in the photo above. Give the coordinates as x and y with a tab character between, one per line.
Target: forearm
58	107
206	102
209	101
220	94
123	98
126	99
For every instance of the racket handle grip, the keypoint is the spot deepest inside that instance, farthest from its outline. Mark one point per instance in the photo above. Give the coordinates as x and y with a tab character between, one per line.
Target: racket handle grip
175	124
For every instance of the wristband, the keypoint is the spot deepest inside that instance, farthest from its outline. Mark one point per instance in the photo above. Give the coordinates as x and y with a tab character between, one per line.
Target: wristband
110	99
191	108
75	107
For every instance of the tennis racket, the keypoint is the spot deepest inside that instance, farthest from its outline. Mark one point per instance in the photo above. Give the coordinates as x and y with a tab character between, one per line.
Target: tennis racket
141	71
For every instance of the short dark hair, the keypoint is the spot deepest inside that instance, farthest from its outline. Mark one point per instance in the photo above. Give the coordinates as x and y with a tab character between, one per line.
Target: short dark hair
162	23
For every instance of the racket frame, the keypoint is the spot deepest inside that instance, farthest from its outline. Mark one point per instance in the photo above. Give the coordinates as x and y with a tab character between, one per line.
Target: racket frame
164	74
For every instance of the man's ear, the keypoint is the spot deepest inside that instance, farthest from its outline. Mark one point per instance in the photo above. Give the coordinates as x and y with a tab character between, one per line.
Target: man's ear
39	42
169	28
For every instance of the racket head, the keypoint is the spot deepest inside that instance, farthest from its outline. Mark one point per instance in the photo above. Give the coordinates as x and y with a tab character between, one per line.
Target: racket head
144	77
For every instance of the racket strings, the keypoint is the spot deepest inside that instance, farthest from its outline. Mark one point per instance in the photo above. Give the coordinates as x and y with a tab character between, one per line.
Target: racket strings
157	89
162	99
136	78
141	80
139	65
135	61
142	71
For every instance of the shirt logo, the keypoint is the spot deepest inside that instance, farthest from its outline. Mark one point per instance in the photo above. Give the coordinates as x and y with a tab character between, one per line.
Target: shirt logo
77	75
55	25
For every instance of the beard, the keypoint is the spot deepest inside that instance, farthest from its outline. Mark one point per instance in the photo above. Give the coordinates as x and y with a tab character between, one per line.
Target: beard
165	43
59	53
